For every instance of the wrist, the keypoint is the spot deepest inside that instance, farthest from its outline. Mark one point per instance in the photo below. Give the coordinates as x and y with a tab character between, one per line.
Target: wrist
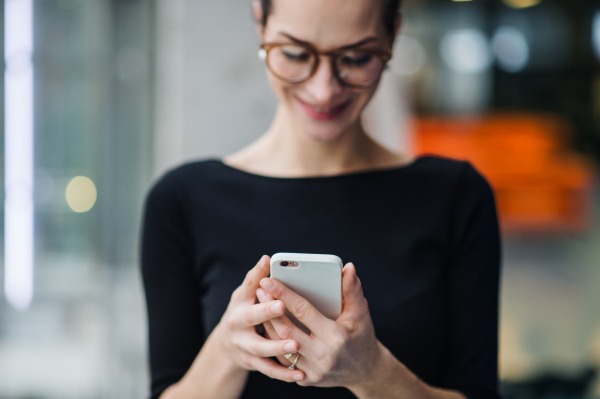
214	373
366	386
218	349
389	378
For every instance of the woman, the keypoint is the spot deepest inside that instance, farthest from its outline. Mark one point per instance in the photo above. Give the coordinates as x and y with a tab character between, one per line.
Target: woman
422	233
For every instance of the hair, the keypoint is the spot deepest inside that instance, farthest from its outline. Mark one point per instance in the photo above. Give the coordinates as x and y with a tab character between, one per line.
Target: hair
390	13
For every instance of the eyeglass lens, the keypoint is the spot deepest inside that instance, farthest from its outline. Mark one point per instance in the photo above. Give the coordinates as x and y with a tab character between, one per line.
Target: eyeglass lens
295	64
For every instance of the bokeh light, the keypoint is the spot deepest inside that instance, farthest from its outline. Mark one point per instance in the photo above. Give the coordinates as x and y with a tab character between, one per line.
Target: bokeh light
511	49
521	3
81	194
596	34
466	51
409	56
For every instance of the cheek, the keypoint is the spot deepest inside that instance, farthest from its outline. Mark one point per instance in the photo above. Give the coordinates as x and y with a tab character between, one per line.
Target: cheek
361	99
281	89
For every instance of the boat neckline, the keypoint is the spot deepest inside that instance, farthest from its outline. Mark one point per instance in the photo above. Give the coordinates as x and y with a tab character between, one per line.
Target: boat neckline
367	172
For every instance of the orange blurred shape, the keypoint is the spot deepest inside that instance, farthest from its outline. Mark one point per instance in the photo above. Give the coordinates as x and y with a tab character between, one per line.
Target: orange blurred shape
541	186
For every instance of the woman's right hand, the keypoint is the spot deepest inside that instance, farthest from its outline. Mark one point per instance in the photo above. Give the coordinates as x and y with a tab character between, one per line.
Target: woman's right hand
237	329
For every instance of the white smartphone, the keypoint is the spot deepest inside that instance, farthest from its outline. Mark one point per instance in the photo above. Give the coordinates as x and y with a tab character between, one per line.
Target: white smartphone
318	278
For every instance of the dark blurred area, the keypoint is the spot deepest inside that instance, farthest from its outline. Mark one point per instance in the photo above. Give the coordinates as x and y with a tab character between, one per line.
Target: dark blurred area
123	90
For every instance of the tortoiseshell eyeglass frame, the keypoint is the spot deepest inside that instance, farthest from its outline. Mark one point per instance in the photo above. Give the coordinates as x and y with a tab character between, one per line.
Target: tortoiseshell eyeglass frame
384	55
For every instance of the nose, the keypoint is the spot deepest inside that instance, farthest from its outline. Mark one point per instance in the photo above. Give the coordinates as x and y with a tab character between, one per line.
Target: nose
323	86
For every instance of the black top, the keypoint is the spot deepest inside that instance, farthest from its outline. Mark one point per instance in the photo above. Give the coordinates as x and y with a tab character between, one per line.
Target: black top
423	237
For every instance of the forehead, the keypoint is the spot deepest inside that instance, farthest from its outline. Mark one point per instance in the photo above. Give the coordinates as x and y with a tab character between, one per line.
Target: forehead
326	23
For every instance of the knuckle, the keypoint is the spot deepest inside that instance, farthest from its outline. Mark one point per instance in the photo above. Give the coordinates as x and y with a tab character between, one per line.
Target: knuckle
248	280
326	365
230	323
236	343
277	291
317	377
248	316
246	361
285	331
254	348
301	309
352	327
340	340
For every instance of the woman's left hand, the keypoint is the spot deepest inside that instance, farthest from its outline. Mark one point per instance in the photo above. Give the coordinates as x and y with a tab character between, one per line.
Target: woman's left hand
344	352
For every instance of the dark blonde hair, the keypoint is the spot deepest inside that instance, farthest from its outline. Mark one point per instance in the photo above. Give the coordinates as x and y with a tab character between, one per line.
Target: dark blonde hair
390	13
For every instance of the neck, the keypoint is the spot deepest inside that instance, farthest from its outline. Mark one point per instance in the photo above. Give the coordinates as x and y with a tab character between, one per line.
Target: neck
286	151
297	153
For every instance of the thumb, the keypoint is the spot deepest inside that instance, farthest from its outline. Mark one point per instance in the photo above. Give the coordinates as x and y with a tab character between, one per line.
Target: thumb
352	289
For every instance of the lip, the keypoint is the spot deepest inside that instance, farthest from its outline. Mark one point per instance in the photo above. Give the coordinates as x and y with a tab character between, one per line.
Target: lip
324	112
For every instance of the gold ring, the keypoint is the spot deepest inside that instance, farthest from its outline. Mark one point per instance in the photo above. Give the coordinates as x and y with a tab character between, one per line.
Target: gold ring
293	366
287	357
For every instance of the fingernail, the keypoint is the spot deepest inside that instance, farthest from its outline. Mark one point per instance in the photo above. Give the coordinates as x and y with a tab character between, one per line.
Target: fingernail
298	377
276	307
267	284
290	347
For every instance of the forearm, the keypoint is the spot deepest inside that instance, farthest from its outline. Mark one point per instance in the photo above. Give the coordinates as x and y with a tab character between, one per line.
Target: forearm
212	375
391	380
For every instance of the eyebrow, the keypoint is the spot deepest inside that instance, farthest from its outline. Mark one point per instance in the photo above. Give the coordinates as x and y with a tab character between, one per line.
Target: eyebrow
350	46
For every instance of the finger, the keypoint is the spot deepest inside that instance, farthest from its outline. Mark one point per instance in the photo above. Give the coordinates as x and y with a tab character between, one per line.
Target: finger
263	296
270	333
286	329
272	369
263	347
246	291
354	299
257	314
306	313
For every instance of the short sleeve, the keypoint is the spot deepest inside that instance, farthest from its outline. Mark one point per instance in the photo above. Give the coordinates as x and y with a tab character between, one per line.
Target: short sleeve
473	284
172	293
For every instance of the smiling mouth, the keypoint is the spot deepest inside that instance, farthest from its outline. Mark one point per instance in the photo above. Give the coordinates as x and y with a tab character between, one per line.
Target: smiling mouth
324	112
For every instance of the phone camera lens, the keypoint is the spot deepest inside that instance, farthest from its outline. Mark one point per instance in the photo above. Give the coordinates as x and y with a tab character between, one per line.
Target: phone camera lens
284	263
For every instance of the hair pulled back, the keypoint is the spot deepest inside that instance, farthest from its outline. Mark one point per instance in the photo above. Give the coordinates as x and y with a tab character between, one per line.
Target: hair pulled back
390	13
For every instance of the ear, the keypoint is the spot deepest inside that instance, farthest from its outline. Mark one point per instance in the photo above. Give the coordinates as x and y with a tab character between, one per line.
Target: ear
257	10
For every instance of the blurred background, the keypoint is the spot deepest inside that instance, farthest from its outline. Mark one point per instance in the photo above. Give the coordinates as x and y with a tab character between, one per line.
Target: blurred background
101	97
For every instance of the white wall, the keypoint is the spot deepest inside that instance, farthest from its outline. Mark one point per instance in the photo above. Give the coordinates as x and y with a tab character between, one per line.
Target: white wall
219	99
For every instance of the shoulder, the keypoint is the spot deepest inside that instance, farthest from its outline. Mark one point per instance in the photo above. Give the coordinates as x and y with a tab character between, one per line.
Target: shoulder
441	167
191	171
174	186
468	194
450	174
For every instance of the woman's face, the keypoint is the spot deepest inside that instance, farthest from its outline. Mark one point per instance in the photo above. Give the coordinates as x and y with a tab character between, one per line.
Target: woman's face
321	107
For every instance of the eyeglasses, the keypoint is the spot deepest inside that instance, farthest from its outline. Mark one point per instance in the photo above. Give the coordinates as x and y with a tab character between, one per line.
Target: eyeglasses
296	63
